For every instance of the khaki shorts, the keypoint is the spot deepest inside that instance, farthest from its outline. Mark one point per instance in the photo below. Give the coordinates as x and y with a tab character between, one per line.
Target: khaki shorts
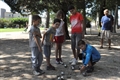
106	34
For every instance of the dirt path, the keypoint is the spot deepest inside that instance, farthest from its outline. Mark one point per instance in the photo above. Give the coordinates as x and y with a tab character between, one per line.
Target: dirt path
15	60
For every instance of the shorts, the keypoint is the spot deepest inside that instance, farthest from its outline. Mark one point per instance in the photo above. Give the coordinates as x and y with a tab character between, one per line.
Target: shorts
59	39
106	34
93	63
74	40
47	50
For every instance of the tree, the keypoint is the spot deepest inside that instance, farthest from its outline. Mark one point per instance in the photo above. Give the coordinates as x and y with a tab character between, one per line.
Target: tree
26	7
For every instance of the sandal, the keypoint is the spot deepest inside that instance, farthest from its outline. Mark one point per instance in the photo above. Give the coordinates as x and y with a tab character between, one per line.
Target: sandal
101	47
109	48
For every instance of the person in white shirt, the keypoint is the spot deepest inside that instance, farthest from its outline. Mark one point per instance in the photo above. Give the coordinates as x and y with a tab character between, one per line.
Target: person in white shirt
59	37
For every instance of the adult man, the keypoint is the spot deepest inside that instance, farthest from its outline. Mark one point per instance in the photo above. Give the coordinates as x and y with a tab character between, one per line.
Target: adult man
106	23
76	20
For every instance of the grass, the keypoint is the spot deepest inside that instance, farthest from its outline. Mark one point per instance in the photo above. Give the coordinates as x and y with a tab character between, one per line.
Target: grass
13	29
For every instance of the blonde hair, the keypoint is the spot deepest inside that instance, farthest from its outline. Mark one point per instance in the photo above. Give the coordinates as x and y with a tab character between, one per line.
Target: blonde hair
60	12
106	10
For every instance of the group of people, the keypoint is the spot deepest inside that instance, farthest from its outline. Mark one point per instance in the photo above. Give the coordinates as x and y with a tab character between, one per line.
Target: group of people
56	34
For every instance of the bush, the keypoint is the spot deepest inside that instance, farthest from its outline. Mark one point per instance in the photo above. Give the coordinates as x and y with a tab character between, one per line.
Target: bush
12	22
18	21
4	22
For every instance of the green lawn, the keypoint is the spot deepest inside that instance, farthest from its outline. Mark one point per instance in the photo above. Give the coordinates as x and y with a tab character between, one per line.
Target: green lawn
13	29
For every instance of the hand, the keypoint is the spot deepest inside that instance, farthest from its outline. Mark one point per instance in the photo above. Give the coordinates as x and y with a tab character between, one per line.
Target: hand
41	42
40	49
82	36
82	69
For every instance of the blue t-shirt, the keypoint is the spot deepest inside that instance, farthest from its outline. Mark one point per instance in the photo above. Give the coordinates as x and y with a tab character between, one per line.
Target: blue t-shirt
89	52
106	23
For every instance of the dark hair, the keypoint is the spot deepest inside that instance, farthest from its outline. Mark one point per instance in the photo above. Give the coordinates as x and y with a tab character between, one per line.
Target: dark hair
71	7
35	17
56	20
81	42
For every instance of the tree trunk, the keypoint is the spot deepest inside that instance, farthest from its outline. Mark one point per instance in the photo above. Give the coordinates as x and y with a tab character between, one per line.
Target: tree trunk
84	22
66	27
116	19
47	19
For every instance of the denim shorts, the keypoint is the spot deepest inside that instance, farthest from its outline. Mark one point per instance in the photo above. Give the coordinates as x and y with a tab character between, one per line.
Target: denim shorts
47	50
74	40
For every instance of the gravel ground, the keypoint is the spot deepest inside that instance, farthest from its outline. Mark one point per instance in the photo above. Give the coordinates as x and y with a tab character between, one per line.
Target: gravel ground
15	61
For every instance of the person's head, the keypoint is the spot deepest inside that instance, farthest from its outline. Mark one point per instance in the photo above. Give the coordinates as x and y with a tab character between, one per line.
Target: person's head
81	44
72	9
60	14
106	12
56	23
36	20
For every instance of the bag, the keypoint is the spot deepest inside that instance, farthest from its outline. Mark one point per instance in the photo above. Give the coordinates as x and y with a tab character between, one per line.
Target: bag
80	55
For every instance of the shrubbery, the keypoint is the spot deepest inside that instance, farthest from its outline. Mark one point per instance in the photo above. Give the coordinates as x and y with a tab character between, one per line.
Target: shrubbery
13	22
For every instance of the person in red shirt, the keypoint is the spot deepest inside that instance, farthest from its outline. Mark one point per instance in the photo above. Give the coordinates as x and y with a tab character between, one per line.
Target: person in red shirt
76	20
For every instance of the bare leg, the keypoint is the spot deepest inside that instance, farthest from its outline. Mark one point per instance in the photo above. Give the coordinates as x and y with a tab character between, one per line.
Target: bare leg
56	50
102	42
89	64
48	61
74	53
60	50
109	43
78	51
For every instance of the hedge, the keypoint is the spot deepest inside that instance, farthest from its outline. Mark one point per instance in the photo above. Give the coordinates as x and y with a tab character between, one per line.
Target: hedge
13	22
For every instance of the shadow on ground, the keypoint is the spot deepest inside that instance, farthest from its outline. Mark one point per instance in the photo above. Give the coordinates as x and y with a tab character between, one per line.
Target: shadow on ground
15	61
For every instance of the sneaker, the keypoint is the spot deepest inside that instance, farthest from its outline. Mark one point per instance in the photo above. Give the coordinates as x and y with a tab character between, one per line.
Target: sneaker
101	47
71	61
109	48
36	73
60	61
90	69
50	67
74	62
57	61
41	71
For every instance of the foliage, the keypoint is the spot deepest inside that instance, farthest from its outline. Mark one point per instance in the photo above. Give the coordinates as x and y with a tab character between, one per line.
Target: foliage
12	22
19	21
4	22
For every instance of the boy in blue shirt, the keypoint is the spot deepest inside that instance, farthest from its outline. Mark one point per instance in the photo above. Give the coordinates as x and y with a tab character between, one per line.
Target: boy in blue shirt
89	56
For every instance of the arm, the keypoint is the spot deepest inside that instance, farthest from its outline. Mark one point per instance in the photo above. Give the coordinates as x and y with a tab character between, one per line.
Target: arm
38	34
63	27
83	33
37	42
87	59
43	38
82	24
101	23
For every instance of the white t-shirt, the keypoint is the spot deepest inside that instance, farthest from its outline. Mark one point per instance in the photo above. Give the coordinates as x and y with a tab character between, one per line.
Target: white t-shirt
59	31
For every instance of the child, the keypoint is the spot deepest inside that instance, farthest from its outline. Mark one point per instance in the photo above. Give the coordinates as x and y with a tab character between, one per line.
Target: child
47	40
35	45
59	37
76	20
89	56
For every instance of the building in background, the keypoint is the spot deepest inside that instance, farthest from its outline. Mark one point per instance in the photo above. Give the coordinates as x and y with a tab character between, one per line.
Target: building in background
2	13
15	15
